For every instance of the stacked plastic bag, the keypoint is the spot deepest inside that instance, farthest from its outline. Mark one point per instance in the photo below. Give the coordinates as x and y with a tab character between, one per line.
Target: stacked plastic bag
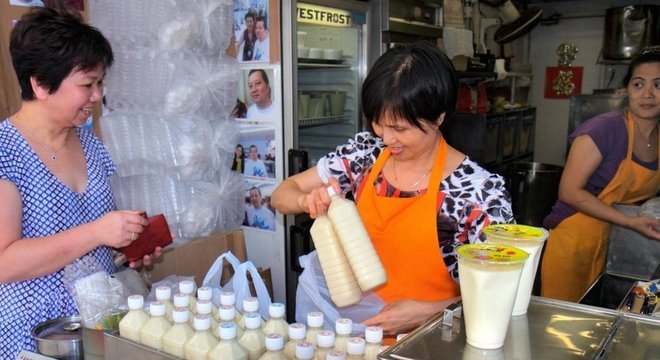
169	96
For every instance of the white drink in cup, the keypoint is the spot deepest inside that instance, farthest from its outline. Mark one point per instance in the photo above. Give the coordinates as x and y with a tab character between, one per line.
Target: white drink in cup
489	276
528	238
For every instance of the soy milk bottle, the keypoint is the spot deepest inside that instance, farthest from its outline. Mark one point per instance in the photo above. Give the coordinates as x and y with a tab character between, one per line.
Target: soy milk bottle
315	321
355	241
250	305
206	293
164	295
179	334
151	334
343	328
228	298
374	338
336	355
228	348
253	339
297	332
187	287
342	285
205	307
132	322
227	314
274	346
355	348
325	343
276	323
202	341
304	351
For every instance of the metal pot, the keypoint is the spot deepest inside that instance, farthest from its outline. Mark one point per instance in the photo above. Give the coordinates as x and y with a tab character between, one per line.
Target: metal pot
60	338
628	29
533	187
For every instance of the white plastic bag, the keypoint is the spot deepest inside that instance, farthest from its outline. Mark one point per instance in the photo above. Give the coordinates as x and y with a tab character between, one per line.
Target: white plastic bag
214	275
313	295
241	286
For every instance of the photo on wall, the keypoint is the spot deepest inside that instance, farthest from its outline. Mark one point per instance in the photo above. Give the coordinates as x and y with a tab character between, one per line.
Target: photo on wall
251	30
258	148
258	211
257	98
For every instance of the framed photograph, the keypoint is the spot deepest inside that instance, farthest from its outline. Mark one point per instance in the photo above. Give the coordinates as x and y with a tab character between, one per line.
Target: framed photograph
257	142
258	211
252	30
258	97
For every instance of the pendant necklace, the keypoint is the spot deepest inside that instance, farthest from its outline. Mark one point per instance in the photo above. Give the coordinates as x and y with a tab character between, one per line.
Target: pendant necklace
648	141
412	186
53	153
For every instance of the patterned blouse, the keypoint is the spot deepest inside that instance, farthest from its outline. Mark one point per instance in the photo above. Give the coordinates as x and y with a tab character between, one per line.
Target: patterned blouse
468	200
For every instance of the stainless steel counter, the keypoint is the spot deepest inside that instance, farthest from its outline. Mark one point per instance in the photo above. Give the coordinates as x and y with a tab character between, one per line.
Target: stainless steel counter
552	329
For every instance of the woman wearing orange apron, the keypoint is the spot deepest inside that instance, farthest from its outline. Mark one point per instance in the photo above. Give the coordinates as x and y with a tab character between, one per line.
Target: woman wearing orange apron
576	248
418	197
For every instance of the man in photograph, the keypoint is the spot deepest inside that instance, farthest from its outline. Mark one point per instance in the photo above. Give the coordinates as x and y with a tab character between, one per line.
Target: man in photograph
261	50
257	214
260	92
254	166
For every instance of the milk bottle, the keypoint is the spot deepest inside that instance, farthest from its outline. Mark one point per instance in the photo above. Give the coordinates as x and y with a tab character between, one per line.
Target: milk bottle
342	285
179	334
229	298
274	346
250	305
335	355
188	287
297	332
132	322
151	334
205	307
343	329
227	313
164	295
228	348
276	323
253	339
206	293
202	341
355	241
355	348
315	321
304	351
374	338
325	342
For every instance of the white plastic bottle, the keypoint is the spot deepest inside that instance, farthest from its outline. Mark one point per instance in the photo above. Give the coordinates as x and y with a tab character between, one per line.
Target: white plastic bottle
205	307
250	305
227	313
188	287
151	334
164	295
355	348
253	339
206	293
276	323
355	242
274	345
228	347
179	334
297	332
304	351
315	321
336	355
343	329
132	322
229	298
325	343
202	341
342	284
373	335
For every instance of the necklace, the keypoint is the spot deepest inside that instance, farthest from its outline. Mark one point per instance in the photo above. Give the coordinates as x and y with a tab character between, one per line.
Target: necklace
648	140
412	186
53	152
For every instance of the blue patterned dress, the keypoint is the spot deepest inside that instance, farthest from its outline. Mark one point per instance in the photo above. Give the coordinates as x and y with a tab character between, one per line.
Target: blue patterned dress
49	207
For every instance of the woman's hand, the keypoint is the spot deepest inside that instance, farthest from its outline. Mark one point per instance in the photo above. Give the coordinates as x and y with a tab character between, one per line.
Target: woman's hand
400	316
316	202
118	229
646	226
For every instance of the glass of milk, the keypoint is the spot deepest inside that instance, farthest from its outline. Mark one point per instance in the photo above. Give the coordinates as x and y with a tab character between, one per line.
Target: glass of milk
488	275
529	238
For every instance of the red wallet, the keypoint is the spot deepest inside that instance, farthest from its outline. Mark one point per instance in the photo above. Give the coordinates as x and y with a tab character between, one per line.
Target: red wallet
157	233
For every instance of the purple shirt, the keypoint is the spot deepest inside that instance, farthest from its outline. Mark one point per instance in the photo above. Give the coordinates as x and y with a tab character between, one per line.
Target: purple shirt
608	131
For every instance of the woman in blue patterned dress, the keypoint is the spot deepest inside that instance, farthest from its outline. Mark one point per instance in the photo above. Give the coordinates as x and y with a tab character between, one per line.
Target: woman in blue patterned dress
57	204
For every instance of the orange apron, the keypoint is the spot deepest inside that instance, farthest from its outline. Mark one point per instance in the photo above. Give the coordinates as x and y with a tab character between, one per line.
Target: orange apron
404	233
576	249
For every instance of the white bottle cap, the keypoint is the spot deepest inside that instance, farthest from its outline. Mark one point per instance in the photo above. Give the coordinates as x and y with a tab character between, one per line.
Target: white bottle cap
331	191
344	326
135	302
252	321
187	287
336	355
276	310
325	338
163	293
315	319
227	298
297	331
400	336
202	322
205	293
204	307
226	313
250	304
274	342
304	350
157	308
180	315
373	334
355	346
227	331
181	300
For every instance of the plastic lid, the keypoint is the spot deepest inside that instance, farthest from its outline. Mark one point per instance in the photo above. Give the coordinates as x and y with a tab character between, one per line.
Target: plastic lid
204	307
304	350
163	293
157	308
331	191
250	304
180	315
205	293
515	232
226	313
227	331
336	355
274	342
401	336
297	331
315	319
252	321
355	346
491	254
135	302
227	298
202	322
276	310
344	326
181	300
373	334
325	338
187	287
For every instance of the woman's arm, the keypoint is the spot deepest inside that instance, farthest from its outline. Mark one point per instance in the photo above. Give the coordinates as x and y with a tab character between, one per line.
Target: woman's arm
303	193
404	315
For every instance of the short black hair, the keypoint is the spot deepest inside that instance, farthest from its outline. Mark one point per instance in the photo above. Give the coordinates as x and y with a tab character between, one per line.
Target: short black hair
647	55
414	81
264	76
263	19
48	44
